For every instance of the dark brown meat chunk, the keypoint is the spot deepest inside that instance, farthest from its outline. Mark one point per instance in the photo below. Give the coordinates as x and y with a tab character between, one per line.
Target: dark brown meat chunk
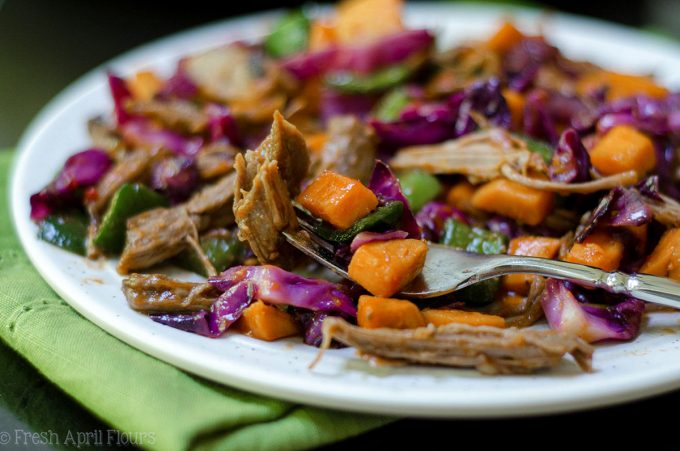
350	149
155	236
159	293
175	114
490	350
128	169
211	207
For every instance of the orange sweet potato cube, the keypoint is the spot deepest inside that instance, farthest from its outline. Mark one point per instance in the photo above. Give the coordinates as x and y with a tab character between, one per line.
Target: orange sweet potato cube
515	101
506	37
623	149
385	267
321	35
619	85
460	196
360	21
144	85
530	246
266	322
337	199
598	249
522	203
442	317
659	261
376	312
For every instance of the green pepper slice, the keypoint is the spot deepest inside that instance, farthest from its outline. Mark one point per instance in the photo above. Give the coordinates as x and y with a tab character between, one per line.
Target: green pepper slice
384	217
380	80
127	201
223	250
391	105
481	241
290	35
419	187
67	231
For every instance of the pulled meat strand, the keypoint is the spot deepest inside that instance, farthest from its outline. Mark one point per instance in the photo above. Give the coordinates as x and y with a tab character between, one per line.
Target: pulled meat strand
601	184
666	211
490	350
532	310
479	155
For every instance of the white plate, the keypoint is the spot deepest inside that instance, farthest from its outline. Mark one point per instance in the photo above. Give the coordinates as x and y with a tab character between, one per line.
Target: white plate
649	365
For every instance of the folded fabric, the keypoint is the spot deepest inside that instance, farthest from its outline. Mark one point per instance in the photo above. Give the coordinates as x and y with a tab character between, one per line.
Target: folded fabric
134	392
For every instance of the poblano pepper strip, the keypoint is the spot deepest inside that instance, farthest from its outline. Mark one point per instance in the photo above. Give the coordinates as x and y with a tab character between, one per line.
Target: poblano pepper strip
481	241
383	218
290	35
129	200
66	230
223	250
381	80
419	187
391	105
542	148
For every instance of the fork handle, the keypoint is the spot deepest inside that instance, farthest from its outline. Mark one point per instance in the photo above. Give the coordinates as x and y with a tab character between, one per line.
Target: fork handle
658	290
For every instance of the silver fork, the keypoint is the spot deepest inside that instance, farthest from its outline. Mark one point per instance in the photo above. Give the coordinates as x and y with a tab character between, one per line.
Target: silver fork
447	270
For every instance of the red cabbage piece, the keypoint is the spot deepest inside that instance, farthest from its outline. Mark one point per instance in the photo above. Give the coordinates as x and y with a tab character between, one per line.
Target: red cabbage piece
175	177
143	133
360	59
536	121
333	103
179	86
386	187
649	187
667	166
221	124
655	116
571	161
224	312
547	111
384	52
120	94
81	170
196	322
432	216
621	207
433	122
312	323
229	307
426	123
369	237
590	321
484	98
522	61
273	285
309	65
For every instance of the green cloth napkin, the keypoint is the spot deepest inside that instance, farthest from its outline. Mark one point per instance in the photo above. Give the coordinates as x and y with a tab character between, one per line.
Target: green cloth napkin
134	392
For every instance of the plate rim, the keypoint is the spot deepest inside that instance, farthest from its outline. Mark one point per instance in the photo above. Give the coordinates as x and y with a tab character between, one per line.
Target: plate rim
666	381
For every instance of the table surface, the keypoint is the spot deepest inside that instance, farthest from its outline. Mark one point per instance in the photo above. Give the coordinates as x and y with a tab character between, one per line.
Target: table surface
50	34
